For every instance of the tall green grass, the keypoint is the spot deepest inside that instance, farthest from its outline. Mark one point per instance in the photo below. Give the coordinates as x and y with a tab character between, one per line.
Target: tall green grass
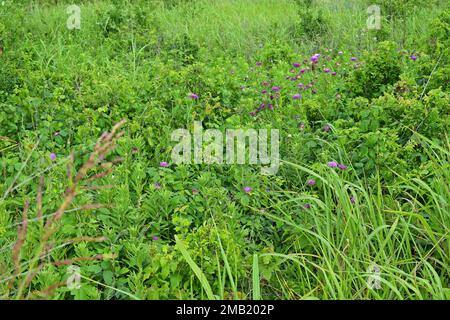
403	228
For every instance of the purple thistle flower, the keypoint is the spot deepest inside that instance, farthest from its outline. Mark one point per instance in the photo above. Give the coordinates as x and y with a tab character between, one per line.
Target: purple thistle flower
271	106
307	206
155	238
53	156
311	182
253	113
332	164
333	73
297	96
164	164
354	59
326	70
342	166
296	65
302	71
264	91
326	128
413	58
276	88
259	63
352	199
314	91
315	58
300	85
247	189
193	96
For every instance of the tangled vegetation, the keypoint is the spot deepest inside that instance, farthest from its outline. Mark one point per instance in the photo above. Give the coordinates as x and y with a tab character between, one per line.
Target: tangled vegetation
363	189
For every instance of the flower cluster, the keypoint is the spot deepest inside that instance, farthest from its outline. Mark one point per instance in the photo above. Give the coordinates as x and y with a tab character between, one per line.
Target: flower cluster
304	75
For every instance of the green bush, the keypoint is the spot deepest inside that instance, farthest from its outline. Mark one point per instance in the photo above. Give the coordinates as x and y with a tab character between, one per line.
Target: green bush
380	70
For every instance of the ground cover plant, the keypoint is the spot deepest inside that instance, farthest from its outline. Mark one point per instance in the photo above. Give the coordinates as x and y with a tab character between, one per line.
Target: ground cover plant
93	207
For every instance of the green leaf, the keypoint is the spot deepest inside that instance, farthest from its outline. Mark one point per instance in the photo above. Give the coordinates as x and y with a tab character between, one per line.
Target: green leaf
256	282
108	277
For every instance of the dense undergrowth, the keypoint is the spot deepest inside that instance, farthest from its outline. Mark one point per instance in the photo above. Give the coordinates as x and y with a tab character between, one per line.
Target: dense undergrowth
364	185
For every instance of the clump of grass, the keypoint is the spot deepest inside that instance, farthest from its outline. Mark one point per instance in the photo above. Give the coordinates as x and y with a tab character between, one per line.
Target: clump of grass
19	283
402	229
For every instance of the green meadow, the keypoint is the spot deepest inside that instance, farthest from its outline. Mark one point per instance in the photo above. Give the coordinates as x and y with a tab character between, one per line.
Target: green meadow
93	206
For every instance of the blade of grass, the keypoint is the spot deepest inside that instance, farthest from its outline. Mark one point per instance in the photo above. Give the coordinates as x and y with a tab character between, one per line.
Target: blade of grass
197	271
255	277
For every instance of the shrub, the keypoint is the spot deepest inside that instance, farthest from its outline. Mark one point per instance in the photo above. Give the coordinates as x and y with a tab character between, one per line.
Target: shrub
380	69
